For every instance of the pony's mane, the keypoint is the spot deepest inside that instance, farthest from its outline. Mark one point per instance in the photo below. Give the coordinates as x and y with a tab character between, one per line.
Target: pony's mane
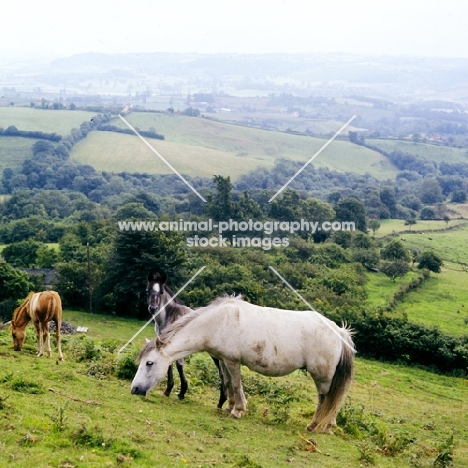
20	308
174	327
171	295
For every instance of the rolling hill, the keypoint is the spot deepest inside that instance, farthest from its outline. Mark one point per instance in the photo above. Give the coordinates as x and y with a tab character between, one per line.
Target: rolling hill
427	151
202	147
14	150
43	120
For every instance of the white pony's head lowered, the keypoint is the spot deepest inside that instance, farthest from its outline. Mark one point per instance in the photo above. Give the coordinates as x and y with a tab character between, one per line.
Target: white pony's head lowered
152	368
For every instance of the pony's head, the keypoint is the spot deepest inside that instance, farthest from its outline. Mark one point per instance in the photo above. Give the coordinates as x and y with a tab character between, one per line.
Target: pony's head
155	290
152	368
18	333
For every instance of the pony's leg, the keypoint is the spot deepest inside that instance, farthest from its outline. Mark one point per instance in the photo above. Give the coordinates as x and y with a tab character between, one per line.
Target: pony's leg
170	381
323	398
46	338
227	387
222	389
58	336
40	346
240	403
183	379
312	425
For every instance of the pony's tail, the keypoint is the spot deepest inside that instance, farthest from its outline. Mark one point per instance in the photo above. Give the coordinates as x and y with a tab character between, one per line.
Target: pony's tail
52	307
327	411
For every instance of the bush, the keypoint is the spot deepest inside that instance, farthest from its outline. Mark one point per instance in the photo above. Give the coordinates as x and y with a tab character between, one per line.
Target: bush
430	260
381	336
126	366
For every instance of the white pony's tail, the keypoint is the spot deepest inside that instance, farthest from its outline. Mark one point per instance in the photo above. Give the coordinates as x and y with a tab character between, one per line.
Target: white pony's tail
327	411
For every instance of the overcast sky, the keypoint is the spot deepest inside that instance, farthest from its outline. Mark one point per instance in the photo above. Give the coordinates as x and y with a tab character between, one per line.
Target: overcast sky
52	28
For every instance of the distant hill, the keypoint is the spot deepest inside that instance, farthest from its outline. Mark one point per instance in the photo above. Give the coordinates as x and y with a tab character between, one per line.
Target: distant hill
202	147
428	151
43	120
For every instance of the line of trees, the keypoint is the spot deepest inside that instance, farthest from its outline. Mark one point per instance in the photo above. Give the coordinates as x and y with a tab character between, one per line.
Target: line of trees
12	131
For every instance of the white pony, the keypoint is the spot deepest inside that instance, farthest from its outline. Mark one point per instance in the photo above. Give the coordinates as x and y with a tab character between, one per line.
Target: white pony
272	342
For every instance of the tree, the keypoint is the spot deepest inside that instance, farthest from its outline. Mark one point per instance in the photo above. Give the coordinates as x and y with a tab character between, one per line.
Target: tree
46	257
459	196
132	256
351	209
395	250
395	269
287	206
21	254
220	206
410	222
430	260
427	213
133	211
15	283
431	192
373	225
387	196
362	241
369	258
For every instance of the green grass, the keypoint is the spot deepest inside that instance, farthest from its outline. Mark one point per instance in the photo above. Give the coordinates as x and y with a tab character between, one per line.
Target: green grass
390	226
44	429
48	121
449	244
380	288
14	150
427	151
201	147
442	300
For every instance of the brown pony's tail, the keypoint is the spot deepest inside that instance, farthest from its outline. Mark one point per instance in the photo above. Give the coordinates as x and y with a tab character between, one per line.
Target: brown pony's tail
340	384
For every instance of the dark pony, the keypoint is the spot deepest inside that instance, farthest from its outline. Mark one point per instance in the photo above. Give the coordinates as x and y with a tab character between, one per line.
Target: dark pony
166	309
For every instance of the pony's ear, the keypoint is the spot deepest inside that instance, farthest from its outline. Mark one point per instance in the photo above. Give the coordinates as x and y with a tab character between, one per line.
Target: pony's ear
158	276
147	341
162	277
158	342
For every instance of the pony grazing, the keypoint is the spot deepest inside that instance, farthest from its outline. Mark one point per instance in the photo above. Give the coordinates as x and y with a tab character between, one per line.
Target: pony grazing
272	342
40	308
167	310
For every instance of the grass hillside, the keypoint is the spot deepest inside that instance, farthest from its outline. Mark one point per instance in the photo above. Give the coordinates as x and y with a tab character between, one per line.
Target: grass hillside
395	226
197	146
43	120
427	151
14	150
450	243
76	413
443	299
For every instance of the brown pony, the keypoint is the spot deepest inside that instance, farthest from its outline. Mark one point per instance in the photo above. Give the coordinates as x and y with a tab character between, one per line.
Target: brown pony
41	308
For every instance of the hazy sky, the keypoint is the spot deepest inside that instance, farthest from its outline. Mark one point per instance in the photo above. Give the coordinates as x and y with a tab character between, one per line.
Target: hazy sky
52	28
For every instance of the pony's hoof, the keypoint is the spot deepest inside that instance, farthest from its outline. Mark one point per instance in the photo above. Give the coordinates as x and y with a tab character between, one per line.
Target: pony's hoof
180	397
235	414
311	427
326	430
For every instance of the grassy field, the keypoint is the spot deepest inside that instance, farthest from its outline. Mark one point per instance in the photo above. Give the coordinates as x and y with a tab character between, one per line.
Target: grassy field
395	416
441	301
14	150
427	151
449	244
197	146
48	121
380	288
395	226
